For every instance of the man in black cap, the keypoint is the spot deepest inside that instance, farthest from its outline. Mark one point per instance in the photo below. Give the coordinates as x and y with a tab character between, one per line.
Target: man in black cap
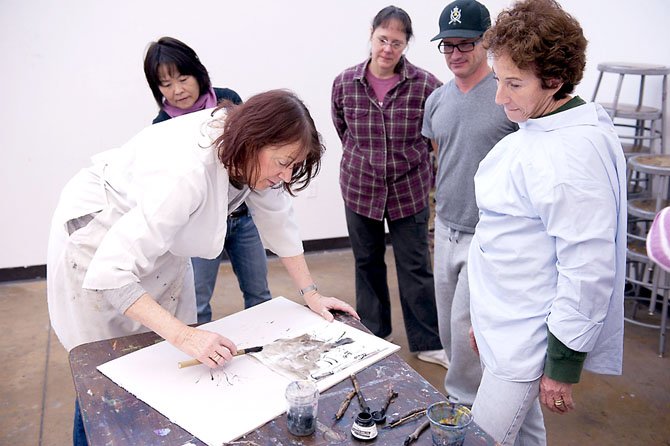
464	123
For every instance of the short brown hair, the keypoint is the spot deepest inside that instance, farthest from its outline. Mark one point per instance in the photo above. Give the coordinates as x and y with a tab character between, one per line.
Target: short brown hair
539	35
276	117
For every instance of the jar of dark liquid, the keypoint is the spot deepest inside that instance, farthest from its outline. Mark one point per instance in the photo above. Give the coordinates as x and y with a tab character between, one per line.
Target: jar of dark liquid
364	427
303	399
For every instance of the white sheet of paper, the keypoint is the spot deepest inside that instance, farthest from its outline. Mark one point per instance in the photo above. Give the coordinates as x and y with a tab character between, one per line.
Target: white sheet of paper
220	405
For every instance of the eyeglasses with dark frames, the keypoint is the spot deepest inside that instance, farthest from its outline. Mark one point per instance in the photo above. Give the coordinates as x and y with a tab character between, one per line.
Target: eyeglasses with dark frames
463	47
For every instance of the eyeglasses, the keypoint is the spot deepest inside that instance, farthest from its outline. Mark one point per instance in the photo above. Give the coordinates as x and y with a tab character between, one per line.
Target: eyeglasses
395	45
464	47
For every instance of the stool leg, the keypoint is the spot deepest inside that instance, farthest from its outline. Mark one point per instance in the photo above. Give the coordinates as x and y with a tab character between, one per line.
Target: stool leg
615	104
638	137
595	92
632	182
656	273
662	192
664	95
653	136
640	97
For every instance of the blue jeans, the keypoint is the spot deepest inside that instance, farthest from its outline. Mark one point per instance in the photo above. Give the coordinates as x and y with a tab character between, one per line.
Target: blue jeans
409	237
78	432
247	257
510	411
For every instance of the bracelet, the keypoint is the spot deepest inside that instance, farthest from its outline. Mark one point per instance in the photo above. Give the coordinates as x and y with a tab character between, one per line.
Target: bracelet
307	289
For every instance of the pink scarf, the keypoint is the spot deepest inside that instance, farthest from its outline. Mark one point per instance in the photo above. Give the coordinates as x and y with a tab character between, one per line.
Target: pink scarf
658	239
207	100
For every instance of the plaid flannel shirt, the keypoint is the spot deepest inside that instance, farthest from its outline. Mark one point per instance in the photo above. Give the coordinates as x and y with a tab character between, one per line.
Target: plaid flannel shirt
385	162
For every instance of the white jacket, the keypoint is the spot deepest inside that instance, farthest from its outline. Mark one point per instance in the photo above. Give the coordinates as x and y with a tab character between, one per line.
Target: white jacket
550	246
158	200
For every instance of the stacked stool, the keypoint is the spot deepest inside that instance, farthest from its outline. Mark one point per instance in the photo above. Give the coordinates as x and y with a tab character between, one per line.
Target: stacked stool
642	131
645	279
641	128
645	123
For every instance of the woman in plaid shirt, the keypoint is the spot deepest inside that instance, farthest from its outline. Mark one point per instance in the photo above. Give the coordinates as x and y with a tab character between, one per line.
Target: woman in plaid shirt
385	174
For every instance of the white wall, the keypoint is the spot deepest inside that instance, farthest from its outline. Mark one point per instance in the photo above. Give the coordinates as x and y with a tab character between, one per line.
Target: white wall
72	80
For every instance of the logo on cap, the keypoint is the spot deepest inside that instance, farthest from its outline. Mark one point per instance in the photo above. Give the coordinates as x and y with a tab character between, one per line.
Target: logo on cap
455	16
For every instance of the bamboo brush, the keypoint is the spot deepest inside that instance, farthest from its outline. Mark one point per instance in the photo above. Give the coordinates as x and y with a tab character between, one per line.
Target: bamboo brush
242	351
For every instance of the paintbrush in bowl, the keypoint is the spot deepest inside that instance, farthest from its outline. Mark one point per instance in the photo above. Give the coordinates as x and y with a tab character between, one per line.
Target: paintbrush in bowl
242	351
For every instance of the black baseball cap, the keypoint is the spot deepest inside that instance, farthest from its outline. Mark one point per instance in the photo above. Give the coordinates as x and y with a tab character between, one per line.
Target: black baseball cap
463	18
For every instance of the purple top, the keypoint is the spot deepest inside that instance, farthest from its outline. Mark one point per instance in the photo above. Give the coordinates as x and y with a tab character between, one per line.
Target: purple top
385	162
381	86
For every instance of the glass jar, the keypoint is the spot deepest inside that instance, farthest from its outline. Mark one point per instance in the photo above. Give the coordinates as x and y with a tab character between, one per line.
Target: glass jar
302	398
364	427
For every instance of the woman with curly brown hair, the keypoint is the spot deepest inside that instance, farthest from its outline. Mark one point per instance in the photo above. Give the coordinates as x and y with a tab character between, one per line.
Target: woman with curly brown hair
546	264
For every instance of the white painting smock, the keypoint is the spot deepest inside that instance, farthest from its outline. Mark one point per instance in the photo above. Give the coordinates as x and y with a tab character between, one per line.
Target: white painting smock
153	203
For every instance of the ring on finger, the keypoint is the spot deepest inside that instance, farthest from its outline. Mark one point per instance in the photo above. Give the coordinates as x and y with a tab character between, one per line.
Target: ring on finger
216	357
558	403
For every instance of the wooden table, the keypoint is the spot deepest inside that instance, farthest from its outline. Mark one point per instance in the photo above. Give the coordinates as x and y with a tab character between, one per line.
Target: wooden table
114	417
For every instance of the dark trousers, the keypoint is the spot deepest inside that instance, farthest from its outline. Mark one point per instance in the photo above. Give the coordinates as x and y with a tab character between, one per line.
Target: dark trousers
409	237
78	432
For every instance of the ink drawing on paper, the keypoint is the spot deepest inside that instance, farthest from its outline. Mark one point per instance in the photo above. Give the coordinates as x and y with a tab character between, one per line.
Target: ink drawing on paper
298	344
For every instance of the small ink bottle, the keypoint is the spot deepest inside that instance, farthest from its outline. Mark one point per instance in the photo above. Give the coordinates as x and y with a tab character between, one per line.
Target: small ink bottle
364	427
302	398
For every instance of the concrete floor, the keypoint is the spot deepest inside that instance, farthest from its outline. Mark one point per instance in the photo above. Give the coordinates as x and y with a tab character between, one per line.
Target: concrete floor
37	392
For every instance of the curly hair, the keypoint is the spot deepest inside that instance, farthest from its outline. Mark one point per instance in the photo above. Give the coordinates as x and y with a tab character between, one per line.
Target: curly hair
272	118
539	35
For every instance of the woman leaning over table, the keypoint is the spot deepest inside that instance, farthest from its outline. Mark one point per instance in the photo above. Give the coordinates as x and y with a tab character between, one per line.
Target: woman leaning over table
126	227
386	174
547	261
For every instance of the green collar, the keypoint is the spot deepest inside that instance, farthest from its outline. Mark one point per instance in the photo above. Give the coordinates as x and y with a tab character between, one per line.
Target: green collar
572	103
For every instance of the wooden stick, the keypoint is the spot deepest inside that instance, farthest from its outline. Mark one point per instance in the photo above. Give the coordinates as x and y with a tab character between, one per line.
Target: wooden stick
345	404
415	435
411	415
354	381
361	397
392	394
242	351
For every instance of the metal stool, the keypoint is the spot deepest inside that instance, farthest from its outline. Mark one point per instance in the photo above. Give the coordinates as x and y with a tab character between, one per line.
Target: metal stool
648	125
641	272
655	167
643	209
